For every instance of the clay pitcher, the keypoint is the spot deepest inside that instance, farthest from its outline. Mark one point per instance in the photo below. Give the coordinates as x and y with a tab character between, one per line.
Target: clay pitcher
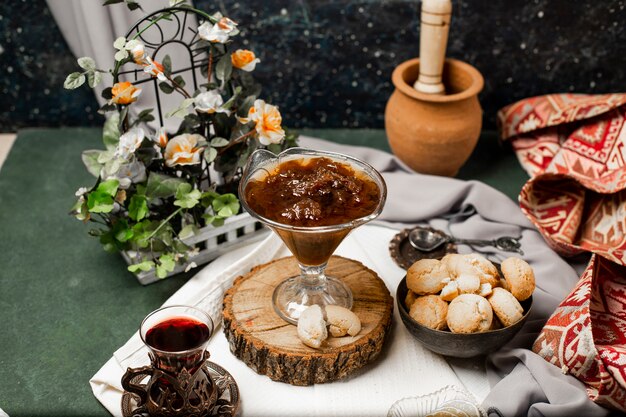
431	133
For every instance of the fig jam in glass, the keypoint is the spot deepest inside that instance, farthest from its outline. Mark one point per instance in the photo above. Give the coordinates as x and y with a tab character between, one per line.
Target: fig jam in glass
313	192
312	200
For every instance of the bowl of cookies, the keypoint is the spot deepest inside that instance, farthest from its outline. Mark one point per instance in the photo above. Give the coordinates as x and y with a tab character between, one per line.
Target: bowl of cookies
464	305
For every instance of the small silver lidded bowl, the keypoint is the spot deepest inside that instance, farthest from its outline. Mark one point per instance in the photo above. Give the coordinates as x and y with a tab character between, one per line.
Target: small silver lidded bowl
458	345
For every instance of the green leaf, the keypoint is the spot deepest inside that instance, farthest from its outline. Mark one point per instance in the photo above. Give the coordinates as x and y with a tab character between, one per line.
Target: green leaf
183	189
112	166
218	142
98	202
165	265
111	132
166	235
145	116
166	87
180	80
101	199
106	156
108	2
131	44
186	197
188	231
121	231
108	187
245	106
107	108
141	266
107	93
162	186
219	48
224	68
74	80
121	55
232	99
138	207
90	160
215	221
96	232
94	78
86	63
226	205
180	247
133	5
167	65
123	116
210	154
223	124
119	42
208	197
108	242
141	232
80	210
182	110
190	124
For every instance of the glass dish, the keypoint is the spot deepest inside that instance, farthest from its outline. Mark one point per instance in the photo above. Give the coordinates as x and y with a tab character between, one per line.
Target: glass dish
448	401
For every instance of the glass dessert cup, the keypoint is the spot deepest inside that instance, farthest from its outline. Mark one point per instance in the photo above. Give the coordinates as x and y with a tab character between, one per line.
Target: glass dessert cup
312	246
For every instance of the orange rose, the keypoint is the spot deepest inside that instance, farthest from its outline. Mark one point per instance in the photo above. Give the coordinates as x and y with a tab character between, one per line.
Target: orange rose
139	54
162	139
267	120
181	150
155	69
244	60
124	93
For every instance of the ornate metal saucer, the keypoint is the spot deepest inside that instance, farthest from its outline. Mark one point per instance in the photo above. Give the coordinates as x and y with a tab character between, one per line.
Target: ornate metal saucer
227	399
405	255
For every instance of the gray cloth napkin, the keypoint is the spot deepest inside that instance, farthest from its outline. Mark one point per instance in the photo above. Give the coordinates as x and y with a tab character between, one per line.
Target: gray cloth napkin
523	384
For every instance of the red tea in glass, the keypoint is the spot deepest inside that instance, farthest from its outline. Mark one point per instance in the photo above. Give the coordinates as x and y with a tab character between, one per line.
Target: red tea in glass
179	384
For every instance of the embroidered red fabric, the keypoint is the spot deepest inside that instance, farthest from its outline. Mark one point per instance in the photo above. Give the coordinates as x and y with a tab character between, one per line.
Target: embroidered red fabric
574	148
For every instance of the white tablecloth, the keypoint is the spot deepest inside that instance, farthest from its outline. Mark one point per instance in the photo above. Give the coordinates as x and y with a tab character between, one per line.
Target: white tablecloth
404	368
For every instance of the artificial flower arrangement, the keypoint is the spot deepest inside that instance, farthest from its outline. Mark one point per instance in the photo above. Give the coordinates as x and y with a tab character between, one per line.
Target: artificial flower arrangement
155	189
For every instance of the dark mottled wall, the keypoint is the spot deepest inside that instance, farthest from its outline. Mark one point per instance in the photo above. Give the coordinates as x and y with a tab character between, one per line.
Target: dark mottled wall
34	60
328	63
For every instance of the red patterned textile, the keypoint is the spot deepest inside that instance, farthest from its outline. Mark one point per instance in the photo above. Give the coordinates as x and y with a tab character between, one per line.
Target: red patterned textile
574	148
586	335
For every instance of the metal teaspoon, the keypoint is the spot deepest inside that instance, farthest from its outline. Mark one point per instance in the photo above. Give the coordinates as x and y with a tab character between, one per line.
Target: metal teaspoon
426	240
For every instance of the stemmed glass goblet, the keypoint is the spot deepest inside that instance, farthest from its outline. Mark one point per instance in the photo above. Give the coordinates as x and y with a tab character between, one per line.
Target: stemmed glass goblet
312	246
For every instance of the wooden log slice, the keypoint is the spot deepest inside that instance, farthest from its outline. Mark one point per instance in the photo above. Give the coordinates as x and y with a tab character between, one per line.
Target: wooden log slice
270	345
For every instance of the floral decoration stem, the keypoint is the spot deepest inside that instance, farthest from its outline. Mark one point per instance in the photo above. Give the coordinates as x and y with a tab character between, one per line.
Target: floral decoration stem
236	141
210	67
178	87
152	22
164	222
167	14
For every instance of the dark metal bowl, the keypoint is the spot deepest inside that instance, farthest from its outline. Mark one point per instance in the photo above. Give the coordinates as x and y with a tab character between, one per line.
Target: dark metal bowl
455	344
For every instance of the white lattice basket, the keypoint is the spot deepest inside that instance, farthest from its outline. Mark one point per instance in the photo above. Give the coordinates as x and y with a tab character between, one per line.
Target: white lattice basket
214	241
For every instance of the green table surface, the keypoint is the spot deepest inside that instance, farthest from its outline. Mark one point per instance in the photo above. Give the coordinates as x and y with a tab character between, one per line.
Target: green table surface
65	304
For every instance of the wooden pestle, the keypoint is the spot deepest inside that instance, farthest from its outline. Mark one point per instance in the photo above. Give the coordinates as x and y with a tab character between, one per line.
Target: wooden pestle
435	24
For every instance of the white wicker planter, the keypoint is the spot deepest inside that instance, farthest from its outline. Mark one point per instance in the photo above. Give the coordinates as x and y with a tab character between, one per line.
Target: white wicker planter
236	232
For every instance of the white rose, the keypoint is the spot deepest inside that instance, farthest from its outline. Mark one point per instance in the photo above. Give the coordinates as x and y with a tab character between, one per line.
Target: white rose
218	32
209	102
129	142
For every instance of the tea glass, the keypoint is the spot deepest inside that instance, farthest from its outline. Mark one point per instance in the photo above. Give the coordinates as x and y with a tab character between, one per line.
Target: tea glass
178	384
312	246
